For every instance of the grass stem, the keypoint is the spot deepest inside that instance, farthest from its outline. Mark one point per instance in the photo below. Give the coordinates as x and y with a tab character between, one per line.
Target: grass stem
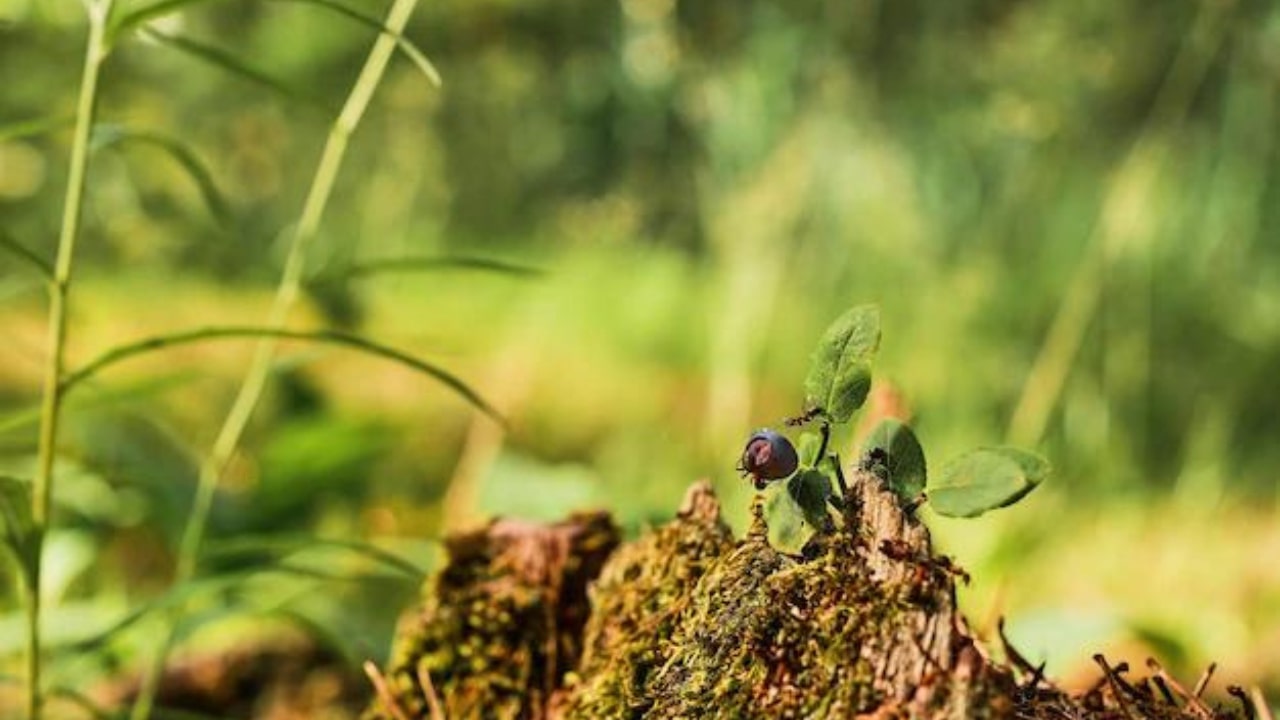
59	295
287	291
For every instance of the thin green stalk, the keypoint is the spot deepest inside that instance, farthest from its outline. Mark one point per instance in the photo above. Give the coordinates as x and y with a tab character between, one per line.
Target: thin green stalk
59	292
224	446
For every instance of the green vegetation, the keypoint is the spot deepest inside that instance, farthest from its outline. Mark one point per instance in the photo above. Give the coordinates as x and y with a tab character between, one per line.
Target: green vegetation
622	225
837	386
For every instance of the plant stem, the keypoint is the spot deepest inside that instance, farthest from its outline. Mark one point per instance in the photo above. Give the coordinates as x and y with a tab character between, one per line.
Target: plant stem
59	293
224	446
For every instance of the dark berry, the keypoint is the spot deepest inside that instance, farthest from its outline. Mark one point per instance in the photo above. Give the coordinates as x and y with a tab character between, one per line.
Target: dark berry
768	456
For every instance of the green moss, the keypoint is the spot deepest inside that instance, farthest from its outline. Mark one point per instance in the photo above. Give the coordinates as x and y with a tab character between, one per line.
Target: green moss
502	623
687	622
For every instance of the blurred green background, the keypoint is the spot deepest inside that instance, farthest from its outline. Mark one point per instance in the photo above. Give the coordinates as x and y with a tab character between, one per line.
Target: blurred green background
1069	213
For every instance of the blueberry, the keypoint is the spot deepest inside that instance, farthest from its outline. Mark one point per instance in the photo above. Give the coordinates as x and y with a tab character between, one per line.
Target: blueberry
768	456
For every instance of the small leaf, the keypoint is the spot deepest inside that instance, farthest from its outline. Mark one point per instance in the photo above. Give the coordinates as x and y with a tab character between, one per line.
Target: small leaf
19	532
810	444
810	489
986	479
907	469
788	532
840	374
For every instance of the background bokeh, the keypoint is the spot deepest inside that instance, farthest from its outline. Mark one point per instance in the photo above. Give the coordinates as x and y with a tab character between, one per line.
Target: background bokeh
1069	213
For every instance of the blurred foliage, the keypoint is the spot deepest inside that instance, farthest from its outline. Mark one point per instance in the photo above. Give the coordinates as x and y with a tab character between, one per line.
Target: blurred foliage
1067	211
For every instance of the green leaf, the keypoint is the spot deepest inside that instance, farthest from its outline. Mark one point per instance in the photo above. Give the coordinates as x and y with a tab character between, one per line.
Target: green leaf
807	449
111	136
797	510
788	532
840	374
810	489
19	533
986	479
907	469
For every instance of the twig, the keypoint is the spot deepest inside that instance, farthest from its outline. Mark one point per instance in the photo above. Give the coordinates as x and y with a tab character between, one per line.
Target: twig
1238	693
1204	679
1193	702
429	692
1115	686
384	692
1164	690
1260	704
1017	658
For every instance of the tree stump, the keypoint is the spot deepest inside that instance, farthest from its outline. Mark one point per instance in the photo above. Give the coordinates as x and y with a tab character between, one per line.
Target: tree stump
688	622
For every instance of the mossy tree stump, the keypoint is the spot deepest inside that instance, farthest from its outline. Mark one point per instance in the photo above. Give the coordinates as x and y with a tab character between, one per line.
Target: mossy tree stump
688	622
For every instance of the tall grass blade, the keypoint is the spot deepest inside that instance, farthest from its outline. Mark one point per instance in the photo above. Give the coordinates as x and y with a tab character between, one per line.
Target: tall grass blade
332	337
276	545
438	264
8	242
21	129
144	15
224	60
17	529
287	292
406	46
112	136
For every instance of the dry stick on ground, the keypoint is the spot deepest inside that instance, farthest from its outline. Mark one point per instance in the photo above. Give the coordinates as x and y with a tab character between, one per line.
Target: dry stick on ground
1239	694
1193	702
1260	703
1115	686
429	692
1015	657
1164	690
384	693
1204	679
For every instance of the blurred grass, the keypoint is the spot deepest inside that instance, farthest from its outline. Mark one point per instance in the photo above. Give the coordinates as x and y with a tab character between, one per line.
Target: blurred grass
706	189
